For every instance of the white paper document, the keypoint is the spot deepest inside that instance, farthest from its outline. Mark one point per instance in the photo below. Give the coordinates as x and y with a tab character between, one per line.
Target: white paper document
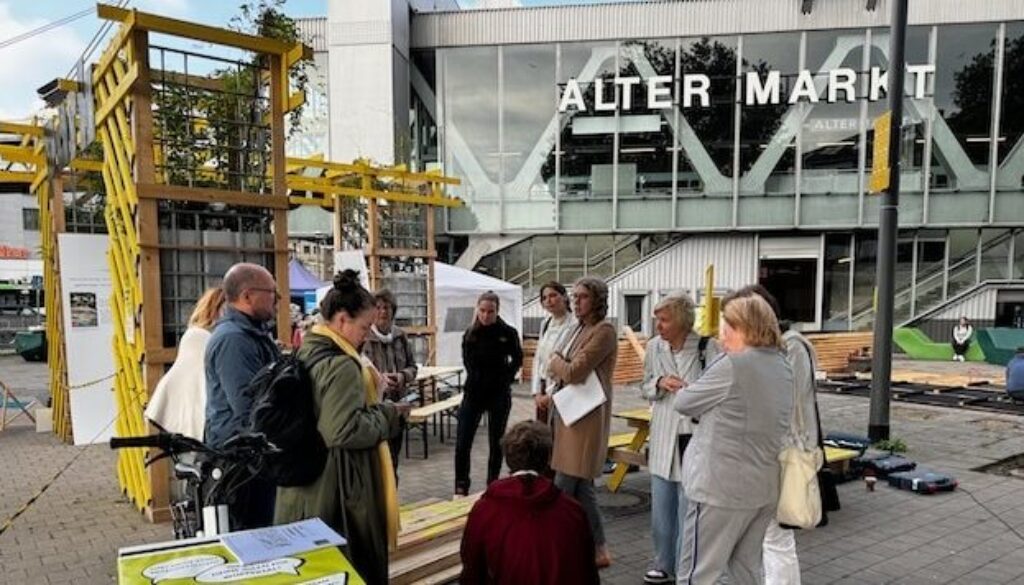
264	544
576	401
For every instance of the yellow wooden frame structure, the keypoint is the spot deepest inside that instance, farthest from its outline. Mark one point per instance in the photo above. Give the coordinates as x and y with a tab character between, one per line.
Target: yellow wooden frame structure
124	127
378	186
124	120
30	155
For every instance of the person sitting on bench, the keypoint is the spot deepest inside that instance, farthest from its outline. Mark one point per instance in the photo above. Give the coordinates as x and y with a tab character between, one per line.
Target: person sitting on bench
1015	376
524	529
962	333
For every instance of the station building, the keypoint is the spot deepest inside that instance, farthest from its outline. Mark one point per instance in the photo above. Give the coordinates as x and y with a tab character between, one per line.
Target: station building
643	141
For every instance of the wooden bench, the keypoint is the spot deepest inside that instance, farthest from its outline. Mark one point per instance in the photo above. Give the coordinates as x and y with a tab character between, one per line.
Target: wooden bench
419	417
833	349
430	541
629	367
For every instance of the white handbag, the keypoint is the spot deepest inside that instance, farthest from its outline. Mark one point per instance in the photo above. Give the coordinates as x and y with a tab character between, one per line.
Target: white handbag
799	496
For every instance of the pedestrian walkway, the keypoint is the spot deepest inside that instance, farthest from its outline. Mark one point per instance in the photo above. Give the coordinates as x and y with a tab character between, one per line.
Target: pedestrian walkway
71	534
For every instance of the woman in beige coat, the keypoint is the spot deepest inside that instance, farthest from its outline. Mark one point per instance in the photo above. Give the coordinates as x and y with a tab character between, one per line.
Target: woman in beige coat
580	450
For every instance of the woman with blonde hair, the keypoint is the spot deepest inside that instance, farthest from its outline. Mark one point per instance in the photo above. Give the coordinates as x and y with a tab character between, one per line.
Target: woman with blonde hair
178	404
731	467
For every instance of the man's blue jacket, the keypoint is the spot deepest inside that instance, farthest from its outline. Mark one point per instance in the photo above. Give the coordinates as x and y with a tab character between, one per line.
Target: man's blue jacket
238	348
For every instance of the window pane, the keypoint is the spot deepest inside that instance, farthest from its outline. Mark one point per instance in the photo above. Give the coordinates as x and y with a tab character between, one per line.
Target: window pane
714	125
635	312
830	133
962	123
645	134
836	296
763	137
587	136
995	253
963	246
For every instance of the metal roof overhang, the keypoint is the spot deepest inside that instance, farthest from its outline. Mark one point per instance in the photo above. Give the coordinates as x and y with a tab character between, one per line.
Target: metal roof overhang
651	20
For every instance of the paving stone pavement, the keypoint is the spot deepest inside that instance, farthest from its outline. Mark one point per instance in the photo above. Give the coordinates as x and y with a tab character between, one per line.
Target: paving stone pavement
72	532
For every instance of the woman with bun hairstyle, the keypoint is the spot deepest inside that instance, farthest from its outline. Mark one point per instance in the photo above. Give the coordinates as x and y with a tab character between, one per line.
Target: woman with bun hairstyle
355	495
492	356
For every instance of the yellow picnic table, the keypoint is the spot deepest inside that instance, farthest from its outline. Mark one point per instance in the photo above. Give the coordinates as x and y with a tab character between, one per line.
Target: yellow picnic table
640	419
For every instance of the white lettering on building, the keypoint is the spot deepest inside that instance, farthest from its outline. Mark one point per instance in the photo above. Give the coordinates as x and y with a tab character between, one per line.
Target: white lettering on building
758	93
761	89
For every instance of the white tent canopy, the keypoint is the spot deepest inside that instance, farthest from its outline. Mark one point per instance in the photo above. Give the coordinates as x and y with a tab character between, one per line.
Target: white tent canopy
455	293
456	290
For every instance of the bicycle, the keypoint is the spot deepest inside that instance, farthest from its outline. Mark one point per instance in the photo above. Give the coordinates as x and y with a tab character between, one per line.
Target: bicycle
210	481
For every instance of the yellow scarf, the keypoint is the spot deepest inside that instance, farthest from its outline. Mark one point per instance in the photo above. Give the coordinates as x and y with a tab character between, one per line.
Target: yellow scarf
387	471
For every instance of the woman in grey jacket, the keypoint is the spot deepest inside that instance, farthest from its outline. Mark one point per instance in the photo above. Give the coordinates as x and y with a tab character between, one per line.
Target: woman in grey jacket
731	467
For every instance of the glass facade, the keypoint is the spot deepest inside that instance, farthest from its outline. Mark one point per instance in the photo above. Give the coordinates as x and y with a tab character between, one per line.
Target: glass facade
491	115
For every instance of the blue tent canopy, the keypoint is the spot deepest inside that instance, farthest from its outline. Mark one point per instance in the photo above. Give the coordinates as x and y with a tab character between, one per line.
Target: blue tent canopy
301	280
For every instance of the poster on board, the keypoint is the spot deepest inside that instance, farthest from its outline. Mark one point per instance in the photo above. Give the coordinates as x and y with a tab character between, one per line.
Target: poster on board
88	335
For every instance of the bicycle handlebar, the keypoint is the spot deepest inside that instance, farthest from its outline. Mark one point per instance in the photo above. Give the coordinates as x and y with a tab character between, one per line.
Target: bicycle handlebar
239	446
159	441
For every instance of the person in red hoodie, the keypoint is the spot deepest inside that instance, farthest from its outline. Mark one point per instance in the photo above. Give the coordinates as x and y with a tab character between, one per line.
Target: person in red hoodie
524	529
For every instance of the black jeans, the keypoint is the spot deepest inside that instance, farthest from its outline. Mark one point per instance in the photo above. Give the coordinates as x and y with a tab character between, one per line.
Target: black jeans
470	412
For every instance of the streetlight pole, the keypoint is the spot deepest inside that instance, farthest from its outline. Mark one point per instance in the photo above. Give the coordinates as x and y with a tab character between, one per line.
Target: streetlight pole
888	221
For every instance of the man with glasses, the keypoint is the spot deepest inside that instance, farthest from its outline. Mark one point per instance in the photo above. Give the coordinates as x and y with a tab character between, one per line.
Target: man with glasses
239	346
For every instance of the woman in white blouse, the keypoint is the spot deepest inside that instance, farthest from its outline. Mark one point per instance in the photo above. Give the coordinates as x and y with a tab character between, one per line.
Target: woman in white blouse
553	333
672	360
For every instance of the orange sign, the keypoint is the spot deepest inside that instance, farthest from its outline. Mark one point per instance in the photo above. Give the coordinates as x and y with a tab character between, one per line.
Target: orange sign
13	253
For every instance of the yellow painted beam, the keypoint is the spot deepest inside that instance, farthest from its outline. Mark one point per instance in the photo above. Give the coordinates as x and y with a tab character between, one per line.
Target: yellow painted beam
20	154
13	128
17	177
124	87
84	164
191	30
112	50
295	100
376	171
398	197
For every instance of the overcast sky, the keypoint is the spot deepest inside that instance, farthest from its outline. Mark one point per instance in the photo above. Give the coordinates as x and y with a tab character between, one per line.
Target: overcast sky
31	63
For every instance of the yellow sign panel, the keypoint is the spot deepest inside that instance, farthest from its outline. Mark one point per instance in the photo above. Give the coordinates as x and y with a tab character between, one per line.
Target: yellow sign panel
214	563
880	163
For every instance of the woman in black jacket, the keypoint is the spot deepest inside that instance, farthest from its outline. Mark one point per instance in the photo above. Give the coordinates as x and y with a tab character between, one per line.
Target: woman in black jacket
492	356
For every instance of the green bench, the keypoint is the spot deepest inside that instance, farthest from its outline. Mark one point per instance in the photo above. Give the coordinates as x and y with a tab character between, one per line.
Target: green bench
919	346
1000	344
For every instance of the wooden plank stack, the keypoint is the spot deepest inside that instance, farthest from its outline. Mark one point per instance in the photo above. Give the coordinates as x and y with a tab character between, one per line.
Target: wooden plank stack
629	369
428	545
833	349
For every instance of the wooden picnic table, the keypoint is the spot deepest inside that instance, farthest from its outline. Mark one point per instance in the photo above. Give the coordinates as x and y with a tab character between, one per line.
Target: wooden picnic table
640	419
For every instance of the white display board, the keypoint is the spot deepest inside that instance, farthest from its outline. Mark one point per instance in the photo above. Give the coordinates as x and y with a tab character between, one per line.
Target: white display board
88	334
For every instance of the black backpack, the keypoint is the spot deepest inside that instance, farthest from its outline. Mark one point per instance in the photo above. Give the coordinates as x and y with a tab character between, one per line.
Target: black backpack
283	411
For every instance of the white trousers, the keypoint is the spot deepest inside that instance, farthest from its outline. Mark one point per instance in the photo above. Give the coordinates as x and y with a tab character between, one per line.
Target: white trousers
781	567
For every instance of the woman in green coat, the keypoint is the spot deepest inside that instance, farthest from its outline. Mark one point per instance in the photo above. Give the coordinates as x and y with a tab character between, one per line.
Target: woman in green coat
356	492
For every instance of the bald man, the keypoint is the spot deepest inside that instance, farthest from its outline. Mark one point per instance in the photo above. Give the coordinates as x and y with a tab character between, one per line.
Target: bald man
239	347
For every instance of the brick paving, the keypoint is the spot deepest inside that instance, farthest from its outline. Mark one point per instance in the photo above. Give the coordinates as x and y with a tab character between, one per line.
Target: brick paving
71	534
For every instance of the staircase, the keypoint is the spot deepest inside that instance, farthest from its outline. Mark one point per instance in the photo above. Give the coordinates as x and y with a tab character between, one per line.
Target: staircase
607	262
911	304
